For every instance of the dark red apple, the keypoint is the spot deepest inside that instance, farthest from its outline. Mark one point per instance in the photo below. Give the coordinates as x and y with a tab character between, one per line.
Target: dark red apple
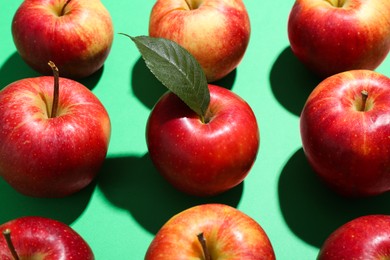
203	158
332	36
366	237
32	238
345	130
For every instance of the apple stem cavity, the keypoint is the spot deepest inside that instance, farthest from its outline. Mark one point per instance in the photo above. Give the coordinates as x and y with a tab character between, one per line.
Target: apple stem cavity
7	236
56	75
202	242
364	100
63	8
337	3
193	4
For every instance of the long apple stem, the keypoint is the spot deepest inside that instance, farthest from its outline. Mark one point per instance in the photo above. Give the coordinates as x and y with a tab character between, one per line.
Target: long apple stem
364	100
202	241
63	8
56	75
7	236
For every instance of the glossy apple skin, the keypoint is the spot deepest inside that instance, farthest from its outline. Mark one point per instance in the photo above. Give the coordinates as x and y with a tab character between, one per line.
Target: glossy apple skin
366	237
78	42
349	149
330	39
51	157
43	237
229	234
215	32
203	159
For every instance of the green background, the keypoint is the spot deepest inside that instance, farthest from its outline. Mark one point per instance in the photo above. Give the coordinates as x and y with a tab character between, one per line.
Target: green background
123	209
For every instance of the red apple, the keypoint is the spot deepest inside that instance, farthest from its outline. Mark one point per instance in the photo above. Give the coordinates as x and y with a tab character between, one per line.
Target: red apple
225	232
366	237
203	158
48	153
215	32
33	237
75	34
332	36
345	130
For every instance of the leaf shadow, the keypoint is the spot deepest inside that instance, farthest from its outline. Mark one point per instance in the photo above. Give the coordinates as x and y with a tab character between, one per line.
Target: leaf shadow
146	87
132	183
291	81
313	211
66	210
14	68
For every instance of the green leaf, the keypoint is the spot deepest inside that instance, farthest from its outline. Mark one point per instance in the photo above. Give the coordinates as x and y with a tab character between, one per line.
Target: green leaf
177	70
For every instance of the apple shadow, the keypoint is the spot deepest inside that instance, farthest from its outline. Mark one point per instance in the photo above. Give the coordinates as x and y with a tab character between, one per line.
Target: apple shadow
66	210
148	89
291	81
313	211
14	68
133	183
227	81
91	81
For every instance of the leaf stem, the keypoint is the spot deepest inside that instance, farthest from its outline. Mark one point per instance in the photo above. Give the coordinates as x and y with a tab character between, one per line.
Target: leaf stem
202	119
206	251
7	236
56	91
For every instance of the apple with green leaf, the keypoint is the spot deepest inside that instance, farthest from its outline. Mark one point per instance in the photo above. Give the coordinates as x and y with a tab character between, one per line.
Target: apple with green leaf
345	130
215	32
211	231
365	237
202	138
75	34
54	135
33	237
332	36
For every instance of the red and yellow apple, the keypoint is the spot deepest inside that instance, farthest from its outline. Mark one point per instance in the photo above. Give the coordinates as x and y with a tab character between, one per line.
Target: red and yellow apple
211	231
345	130
366	237
215	32
32	237
51	150
203	158
332	36
75	34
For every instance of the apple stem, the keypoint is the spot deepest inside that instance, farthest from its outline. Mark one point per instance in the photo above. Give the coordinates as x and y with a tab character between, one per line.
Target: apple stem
364	100
63	8
7	236
202	241
56	89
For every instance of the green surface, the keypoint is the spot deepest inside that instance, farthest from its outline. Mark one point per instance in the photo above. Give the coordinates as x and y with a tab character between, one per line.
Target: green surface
120	213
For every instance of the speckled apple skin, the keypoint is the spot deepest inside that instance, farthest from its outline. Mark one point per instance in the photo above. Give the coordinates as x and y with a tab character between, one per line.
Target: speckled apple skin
45	239
51	157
